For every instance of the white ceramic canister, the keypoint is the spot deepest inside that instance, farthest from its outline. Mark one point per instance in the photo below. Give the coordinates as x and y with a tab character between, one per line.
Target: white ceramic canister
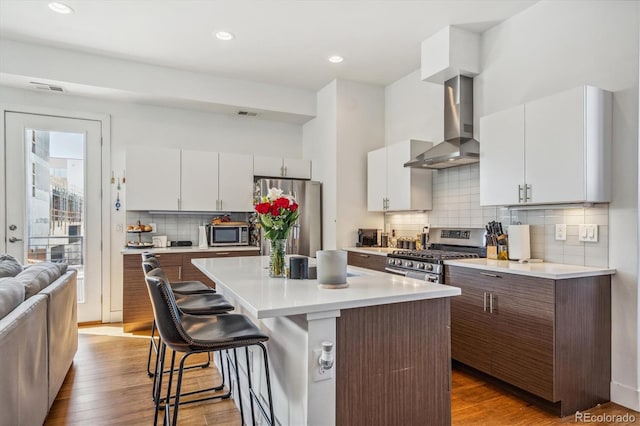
331	266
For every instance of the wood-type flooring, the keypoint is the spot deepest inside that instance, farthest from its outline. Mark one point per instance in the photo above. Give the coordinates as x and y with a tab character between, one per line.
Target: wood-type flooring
108	385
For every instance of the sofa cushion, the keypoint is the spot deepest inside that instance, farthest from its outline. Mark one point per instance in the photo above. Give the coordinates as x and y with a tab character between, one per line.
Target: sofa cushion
36	277
9	266
11	295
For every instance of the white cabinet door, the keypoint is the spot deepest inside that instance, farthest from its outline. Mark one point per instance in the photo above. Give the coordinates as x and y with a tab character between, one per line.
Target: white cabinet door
376	180
235	182
398	177
199	186
554	148
267	166
502	157
153	178
297	168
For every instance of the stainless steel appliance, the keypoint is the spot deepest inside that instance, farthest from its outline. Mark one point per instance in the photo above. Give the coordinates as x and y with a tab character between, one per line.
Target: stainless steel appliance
444	244
306	236
459	147
369	238
228	234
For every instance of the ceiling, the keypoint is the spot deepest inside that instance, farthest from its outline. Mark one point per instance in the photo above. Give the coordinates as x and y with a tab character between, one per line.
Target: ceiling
284	42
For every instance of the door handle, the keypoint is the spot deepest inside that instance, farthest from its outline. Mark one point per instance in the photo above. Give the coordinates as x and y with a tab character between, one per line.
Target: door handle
12	227
484	301
490	303
14	239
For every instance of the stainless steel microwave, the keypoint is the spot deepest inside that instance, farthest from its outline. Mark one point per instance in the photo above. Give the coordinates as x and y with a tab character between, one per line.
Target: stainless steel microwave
228	234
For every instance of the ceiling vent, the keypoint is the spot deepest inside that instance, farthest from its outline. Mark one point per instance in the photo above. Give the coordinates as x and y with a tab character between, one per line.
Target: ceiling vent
45	86
247	113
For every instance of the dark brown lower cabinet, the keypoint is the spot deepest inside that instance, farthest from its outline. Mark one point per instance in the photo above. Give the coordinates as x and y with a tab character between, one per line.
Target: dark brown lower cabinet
370	261
551	338
136	307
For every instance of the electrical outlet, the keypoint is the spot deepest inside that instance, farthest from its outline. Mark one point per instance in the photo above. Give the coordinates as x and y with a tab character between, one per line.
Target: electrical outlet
561	232
588	233
318	373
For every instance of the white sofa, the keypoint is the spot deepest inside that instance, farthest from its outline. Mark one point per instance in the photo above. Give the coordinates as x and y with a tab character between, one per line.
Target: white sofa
38	340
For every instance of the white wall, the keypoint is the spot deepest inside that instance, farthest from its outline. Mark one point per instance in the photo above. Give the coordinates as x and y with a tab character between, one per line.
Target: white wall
349	123
553	46
133	124
413	109
319	145
360	130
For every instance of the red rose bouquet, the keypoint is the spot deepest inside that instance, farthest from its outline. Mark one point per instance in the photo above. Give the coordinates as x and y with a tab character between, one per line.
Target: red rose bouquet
277	214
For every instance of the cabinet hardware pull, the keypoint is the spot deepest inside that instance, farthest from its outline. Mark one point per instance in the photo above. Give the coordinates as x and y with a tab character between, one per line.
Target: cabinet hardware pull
179	272
527	193
178	203
286	171
220	204
364	255
519	193
484	301
486	274
490	303
222	252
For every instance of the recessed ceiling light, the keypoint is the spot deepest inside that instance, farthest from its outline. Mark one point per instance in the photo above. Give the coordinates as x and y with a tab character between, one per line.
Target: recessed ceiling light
336	59
224	35
60	8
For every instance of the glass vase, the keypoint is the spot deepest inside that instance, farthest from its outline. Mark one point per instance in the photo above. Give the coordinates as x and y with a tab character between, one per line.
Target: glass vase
276	259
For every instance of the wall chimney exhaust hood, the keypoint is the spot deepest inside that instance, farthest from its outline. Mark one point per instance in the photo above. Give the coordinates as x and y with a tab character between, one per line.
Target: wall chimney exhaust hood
459	147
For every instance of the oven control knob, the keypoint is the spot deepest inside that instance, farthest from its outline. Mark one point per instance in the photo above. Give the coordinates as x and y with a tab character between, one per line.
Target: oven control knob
409	264
420	265
429	267
391	261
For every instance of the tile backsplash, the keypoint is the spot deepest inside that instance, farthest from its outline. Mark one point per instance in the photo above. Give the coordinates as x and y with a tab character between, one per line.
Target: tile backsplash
177	227
456	203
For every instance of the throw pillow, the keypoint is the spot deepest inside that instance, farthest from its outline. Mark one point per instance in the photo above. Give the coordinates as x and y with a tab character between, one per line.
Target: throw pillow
11	295
36	277
9	266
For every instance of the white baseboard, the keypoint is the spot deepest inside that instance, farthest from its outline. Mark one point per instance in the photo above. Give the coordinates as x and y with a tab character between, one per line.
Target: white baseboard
625	396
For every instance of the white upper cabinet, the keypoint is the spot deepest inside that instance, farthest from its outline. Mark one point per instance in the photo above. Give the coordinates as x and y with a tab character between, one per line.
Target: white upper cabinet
502	157
393	187
566	150
282	167
235	179
185	180
199	184
377	180
153	178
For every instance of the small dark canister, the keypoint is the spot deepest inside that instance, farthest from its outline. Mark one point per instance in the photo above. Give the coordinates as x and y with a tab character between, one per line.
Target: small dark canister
298	268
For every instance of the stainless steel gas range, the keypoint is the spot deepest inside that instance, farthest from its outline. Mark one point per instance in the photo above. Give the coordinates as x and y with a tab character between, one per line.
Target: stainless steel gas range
444	244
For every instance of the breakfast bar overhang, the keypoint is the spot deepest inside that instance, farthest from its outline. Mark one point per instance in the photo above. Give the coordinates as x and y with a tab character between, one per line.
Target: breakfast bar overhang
391	344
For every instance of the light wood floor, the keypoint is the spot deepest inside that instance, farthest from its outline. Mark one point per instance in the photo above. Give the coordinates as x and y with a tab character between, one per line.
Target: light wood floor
107	385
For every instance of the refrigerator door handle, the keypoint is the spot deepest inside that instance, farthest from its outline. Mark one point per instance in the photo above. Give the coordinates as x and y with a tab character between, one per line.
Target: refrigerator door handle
296	231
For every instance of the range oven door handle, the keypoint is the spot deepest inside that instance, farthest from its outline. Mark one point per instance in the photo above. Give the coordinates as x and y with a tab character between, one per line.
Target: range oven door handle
396	271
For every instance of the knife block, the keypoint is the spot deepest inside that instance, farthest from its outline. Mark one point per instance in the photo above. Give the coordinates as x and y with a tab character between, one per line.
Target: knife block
492	252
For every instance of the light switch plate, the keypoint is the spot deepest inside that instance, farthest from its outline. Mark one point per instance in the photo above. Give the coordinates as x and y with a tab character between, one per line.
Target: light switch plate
561	232
588	233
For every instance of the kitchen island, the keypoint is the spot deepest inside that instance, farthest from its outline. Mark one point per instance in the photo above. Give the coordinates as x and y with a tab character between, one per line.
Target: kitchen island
390	333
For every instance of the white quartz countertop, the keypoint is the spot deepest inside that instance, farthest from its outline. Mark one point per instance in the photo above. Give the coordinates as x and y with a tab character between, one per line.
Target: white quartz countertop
192	249
380	251
247	279
554	271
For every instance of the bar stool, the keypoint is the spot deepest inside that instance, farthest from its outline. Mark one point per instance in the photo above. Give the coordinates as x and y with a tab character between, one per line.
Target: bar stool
151	262
190	334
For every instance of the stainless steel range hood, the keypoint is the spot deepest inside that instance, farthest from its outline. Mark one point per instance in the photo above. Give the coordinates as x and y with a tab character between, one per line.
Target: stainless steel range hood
459	147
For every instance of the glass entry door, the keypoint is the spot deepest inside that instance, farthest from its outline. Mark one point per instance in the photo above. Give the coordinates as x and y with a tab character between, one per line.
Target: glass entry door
53	187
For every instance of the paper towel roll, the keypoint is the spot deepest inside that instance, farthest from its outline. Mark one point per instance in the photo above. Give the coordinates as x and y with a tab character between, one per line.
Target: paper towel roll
519	242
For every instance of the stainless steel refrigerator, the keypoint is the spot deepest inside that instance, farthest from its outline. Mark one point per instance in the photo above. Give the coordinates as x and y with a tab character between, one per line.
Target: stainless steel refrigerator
306	236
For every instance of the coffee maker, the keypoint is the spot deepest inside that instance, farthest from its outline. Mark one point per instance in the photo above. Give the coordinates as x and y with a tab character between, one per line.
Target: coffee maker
369	237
